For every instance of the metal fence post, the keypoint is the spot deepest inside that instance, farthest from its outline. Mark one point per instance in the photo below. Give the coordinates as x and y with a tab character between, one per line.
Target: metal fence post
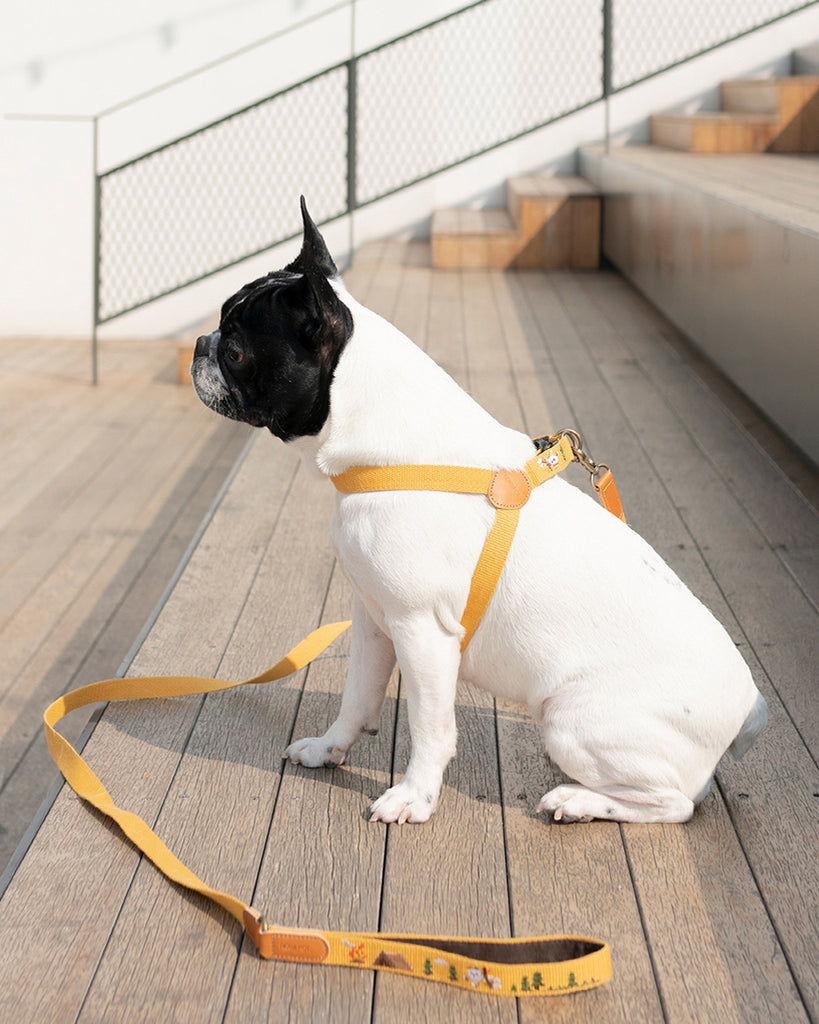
352	103
607	62
97	228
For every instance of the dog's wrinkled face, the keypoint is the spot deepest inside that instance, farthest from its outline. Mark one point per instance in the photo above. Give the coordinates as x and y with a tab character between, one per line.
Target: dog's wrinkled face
272	359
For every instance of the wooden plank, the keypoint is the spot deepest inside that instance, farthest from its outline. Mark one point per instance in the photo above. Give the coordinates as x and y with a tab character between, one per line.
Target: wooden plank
68	892
323	861
448	877
489	377
97	631
84	536
595	398
68	459
569	880
762	469
445	339
600	900
562	881
742	534
224	789
52	418
726	543
459	891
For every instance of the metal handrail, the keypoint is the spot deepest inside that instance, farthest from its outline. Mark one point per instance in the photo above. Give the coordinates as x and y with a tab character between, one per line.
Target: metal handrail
353	200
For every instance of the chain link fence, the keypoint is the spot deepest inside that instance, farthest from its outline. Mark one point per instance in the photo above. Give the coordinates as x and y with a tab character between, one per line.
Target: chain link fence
379	122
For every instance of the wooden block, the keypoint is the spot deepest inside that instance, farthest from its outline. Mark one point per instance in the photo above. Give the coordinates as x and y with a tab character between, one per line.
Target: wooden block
809	118
798	116
555	241
671	131
503	249
585	240
704	137
446	251
751	96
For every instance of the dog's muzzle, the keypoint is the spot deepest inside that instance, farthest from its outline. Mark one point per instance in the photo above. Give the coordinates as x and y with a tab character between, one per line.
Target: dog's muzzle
208	380
206	344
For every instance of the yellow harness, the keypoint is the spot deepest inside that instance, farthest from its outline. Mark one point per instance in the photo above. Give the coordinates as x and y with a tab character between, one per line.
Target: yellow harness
520	967
508	491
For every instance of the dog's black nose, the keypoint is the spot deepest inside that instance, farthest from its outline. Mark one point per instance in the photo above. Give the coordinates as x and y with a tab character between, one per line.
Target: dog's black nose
202	345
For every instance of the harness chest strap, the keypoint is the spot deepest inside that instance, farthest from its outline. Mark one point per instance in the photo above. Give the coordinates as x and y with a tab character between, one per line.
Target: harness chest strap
520	967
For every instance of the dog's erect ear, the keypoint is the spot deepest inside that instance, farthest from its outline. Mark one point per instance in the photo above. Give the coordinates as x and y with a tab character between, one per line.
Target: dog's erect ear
314	258
326	322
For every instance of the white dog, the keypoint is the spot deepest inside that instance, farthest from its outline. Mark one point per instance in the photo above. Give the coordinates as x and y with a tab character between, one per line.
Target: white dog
637	689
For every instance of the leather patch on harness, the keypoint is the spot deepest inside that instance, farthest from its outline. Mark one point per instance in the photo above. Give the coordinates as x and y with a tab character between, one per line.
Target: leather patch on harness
509	488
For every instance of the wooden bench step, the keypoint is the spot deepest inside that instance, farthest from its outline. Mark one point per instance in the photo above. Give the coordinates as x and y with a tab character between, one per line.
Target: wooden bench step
714	132
758	115
550	222
794	101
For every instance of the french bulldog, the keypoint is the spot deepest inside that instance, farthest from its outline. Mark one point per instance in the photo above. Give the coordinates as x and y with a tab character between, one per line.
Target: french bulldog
637	689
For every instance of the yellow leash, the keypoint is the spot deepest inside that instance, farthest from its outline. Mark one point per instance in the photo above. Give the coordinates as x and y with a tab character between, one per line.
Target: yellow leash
520	967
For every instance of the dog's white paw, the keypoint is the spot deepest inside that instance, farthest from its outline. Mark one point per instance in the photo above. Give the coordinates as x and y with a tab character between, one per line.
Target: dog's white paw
404	802
573	802
315	752
568	803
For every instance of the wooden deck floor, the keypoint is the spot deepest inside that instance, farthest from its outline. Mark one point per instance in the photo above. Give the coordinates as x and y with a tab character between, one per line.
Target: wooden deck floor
102	490
714	920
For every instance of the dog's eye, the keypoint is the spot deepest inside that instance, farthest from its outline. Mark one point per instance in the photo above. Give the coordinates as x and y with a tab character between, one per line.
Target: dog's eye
234	354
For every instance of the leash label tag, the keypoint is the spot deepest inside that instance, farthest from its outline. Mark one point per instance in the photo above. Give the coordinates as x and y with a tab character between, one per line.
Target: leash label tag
609	495
295	945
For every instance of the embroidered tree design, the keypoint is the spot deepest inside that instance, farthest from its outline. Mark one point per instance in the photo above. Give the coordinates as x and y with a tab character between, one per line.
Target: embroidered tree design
524	985
572	982
453	974
537	980
427	966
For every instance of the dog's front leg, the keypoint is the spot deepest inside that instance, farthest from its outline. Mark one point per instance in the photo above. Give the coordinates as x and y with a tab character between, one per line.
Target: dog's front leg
429	660
372	659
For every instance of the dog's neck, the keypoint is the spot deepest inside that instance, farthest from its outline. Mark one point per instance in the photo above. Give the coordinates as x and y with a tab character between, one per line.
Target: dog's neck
391	404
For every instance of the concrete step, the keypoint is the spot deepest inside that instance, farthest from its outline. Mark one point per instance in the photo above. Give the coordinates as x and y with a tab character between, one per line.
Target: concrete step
550	222
805	60
728	249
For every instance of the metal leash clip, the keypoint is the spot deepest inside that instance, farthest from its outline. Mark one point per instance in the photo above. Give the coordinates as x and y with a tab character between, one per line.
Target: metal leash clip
601	475
594	469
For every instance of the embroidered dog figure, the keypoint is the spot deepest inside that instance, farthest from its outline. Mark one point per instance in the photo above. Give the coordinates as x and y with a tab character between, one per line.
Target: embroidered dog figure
637	689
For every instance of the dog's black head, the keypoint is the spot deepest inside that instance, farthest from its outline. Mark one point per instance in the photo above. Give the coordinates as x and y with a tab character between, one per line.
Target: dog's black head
272	359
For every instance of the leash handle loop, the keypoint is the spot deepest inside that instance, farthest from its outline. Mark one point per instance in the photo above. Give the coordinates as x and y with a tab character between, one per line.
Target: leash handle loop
519	967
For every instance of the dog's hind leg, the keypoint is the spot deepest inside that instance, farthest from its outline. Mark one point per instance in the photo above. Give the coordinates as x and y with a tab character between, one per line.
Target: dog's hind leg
572	802
372	659
429	660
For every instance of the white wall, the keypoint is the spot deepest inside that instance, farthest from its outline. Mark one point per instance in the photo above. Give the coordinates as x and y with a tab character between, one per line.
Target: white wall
75	59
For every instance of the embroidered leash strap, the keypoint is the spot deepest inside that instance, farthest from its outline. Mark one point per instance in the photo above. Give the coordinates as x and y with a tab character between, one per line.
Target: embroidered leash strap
526	966
510	967
507	490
